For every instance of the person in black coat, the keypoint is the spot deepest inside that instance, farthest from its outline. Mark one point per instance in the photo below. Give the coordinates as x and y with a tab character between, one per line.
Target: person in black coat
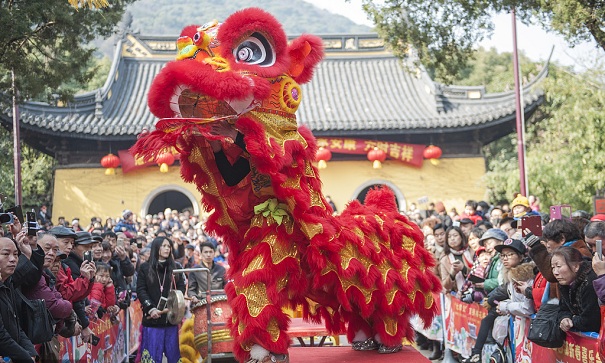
579	303
155	281
86	269
14	344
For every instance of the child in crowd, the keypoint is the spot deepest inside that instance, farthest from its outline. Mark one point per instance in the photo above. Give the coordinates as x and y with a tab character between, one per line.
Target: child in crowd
103	295
472	293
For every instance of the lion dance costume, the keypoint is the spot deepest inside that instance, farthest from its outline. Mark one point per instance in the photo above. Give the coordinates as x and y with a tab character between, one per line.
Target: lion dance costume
365	270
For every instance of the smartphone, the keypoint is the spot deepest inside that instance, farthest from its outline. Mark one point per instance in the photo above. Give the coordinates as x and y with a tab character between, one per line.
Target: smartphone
32	225
120	242
94	340
88	256
456	224
533	223
162	303
599	248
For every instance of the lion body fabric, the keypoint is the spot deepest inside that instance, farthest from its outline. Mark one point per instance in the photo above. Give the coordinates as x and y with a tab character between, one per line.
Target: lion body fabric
363	270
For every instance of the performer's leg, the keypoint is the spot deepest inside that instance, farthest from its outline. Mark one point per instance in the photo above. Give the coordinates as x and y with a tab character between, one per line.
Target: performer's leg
259	290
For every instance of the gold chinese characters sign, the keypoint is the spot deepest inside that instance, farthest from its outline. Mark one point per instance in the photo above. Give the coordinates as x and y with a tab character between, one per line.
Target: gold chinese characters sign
410	154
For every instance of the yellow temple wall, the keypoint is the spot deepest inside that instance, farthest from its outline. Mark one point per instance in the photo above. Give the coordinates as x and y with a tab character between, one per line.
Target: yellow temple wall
87	192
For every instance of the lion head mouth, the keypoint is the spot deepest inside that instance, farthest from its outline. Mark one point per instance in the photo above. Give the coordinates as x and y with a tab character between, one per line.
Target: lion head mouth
189	104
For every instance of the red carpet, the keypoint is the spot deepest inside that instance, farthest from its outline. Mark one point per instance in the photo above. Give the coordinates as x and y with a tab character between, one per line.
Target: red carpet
348	355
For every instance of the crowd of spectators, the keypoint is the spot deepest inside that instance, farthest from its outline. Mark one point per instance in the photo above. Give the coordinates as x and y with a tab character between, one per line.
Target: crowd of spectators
483	255
486	255
86	272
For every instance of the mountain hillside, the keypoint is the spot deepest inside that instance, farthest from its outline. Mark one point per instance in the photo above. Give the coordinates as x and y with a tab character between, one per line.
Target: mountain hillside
153	17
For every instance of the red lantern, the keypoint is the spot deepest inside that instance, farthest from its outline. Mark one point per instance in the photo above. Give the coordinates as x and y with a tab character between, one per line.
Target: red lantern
164	160
323	156
433	153
377	156
110	162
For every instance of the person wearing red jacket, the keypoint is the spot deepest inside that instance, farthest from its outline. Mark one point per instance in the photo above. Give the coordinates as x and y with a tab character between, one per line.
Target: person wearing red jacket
103	294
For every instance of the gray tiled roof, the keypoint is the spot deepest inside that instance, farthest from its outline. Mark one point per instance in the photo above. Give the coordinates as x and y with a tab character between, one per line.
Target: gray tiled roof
353	91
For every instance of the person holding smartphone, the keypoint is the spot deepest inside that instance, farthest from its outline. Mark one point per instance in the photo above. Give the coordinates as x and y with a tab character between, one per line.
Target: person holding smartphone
81	268
159	337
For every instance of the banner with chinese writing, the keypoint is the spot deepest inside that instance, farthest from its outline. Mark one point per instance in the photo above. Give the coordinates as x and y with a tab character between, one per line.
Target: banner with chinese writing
522	344
462	322
578	348
435	330
136	318
410	154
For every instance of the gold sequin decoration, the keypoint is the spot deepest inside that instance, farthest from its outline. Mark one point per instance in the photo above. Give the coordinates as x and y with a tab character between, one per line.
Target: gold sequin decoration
211	187
273	330
390	325
384	267
350	252
428	300
329	268
377	242
366	291
280	252
281	283
408	244
256	297
312	306
311	229
293	183
279	128
391	294
379	220
404	270
309	170
316	200
256	264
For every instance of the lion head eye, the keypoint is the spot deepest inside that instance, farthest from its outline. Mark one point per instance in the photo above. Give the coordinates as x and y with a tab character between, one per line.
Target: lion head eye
255	50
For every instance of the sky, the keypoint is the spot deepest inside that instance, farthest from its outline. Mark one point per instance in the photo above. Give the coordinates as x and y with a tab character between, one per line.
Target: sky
533	41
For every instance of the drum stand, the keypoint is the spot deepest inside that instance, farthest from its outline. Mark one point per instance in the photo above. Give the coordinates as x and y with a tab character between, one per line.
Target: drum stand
210	356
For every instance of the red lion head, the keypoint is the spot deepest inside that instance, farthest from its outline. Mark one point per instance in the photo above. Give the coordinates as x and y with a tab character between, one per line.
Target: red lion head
224	70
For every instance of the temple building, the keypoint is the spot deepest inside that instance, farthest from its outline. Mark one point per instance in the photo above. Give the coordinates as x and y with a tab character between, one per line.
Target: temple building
360	98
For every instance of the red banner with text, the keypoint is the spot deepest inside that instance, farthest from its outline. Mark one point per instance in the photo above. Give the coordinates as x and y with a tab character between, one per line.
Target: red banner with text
410	154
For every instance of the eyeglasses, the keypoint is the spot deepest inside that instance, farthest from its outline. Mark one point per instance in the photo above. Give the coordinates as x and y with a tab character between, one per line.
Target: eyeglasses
507	255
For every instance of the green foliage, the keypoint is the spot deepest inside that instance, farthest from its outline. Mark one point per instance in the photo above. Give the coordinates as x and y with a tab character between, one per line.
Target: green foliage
36	173
442	33
565	144
296	16
44	42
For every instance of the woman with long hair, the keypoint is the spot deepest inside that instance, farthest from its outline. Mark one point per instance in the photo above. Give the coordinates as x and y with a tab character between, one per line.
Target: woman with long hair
156	279
456	261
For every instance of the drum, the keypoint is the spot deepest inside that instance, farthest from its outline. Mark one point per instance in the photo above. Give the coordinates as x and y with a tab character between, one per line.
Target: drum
220	313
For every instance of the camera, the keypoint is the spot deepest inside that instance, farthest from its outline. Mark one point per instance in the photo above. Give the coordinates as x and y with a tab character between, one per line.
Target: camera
471	295
6	217
95	340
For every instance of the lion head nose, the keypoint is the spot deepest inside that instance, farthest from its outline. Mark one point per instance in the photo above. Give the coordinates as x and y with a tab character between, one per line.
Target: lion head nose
219	64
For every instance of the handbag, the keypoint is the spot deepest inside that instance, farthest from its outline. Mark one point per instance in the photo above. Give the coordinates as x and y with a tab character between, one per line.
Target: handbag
37	321
50	351
544	329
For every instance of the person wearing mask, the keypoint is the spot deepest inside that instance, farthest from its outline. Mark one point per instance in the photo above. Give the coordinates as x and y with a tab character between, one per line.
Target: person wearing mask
579	303
198	280
159	337
14	344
